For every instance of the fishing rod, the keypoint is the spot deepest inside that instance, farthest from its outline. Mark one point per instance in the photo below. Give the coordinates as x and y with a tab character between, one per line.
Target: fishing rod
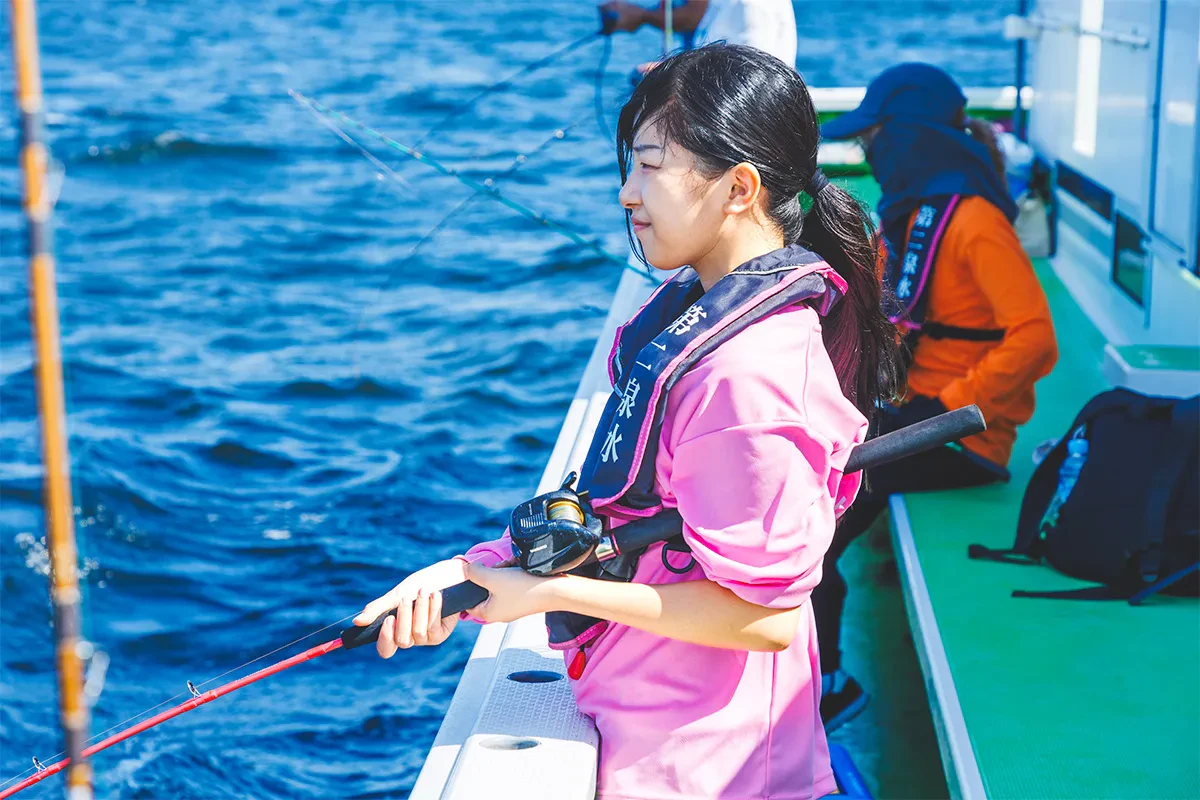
505	83
38	204
398	268
198	699
598	89
569	546
557	532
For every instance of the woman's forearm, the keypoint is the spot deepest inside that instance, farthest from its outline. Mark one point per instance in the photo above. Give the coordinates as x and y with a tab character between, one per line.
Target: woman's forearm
700	612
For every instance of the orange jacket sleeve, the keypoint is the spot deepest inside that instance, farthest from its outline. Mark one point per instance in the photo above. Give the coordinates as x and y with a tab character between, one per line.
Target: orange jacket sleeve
1005	275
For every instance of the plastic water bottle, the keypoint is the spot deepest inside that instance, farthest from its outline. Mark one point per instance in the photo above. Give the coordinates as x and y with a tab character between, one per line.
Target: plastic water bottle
1068	475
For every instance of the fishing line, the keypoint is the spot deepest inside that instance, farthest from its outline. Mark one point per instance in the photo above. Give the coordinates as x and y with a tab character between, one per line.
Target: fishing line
375	161
569	231
488	187
323	113
507	82
519	161
598	91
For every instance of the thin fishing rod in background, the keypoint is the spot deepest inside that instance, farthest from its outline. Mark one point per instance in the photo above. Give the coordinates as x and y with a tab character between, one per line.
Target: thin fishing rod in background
598	82
59	516
637	535
398	268
506	83
569	231
488	186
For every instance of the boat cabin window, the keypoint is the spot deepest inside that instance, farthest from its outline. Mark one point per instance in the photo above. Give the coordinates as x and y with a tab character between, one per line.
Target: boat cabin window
1130	259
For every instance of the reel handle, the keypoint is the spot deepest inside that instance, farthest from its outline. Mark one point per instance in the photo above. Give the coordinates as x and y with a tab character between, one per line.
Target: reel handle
455	599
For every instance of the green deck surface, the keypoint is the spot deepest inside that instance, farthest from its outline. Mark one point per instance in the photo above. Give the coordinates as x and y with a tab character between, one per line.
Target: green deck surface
893	741
1062	699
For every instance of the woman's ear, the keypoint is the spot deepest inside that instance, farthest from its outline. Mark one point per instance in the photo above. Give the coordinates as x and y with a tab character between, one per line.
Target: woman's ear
745	188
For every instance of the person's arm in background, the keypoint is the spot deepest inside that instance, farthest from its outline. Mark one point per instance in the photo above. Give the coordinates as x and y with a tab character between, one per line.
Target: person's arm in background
630	16
1029	350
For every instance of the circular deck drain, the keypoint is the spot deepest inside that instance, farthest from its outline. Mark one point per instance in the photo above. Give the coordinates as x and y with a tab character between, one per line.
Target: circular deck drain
535	676
508	743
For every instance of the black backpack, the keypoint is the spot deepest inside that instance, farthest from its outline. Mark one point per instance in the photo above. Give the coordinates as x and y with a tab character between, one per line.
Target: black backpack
1132	520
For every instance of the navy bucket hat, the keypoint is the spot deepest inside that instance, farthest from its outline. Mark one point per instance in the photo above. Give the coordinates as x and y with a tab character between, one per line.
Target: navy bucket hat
917	92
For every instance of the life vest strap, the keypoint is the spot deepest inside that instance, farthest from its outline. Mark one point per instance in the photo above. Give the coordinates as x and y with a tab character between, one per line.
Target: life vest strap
936	330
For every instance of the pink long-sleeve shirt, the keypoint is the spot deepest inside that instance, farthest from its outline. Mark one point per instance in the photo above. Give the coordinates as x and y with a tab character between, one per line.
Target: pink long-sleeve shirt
752	449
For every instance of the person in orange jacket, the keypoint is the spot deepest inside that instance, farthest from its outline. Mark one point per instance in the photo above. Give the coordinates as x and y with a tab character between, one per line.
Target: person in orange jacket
964	295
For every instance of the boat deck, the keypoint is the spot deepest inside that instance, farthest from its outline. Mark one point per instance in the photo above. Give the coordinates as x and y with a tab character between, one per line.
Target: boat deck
1045	698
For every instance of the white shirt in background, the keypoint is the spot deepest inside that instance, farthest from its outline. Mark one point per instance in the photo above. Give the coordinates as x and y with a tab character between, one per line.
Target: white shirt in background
769	25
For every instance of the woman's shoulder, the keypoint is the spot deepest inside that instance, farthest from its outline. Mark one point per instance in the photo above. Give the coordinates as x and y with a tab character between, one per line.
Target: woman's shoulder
776	369
764	345
975	217
979	224
979	209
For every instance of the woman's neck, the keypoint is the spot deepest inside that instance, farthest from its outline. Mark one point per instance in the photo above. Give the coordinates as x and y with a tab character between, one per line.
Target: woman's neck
733	250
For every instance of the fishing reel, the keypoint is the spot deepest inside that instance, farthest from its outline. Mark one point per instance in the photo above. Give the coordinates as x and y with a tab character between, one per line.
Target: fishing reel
555	532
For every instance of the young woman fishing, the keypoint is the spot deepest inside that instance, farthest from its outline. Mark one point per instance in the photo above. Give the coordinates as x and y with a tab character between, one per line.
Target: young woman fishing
739	389
977	323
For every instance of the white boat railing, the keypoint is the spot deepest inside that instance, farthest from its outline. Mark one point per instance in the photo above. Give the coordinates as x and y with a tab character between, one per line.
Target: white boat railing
512	729
997	98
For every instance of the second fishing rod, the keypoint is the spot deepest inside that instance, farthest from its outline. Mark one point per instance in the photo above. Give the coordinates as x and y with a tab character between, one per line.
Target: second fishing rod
557	532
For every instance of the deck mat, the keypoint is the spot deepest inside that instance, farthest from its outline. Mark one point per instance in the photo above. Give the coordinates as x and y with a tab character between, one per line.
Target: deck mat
1062	699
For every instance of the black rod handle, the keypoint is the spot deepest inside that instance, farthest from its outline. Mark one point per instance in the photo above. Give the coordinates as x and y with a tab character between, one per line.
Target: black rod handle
912	439
455	599
916	438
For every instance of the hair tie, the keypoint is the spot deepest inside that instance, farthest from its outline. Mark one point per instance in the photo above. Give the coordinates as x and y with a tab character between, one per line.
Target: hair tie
817	183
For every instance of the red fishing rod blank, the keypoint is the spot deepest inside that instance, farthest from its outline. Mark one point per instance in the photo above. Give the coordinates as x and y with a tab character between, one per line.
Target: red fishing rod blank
198	699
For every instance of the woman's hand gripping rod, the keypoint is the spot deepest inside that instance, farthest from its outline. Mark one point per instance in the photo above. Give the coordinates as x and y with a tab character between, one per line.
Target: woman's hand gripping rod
917	438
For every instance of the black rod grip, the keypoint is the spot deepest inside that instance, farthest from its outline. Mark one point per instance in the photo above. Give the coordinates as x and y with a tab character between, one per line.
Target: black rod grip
456	598
917	438
641	533
910	440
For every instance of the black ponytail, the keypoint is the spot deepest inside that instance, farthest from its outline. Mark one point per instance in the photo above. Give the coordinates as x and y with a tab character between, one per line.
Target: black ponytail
862	343
729	104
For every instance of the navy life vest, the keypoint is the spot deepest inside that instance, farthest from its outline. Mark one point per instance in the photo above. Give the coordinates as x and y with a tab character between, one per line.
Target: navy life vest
678	325
909	273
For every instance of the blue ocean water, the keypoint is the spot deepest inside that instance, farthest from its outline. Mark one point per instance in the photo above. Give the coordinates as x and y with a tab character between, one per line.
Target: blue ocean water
276	411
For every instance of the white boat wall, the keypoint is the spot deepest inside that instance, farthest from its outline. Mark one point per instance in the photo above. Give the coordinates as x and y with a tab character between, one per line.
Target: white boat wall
514	735
1115	94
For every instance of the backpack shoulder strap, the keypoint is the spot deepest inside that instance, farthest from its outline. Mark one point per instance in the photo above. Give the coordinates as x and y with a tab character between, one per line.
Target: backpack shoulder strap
1098	592
1022	558
1180	439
